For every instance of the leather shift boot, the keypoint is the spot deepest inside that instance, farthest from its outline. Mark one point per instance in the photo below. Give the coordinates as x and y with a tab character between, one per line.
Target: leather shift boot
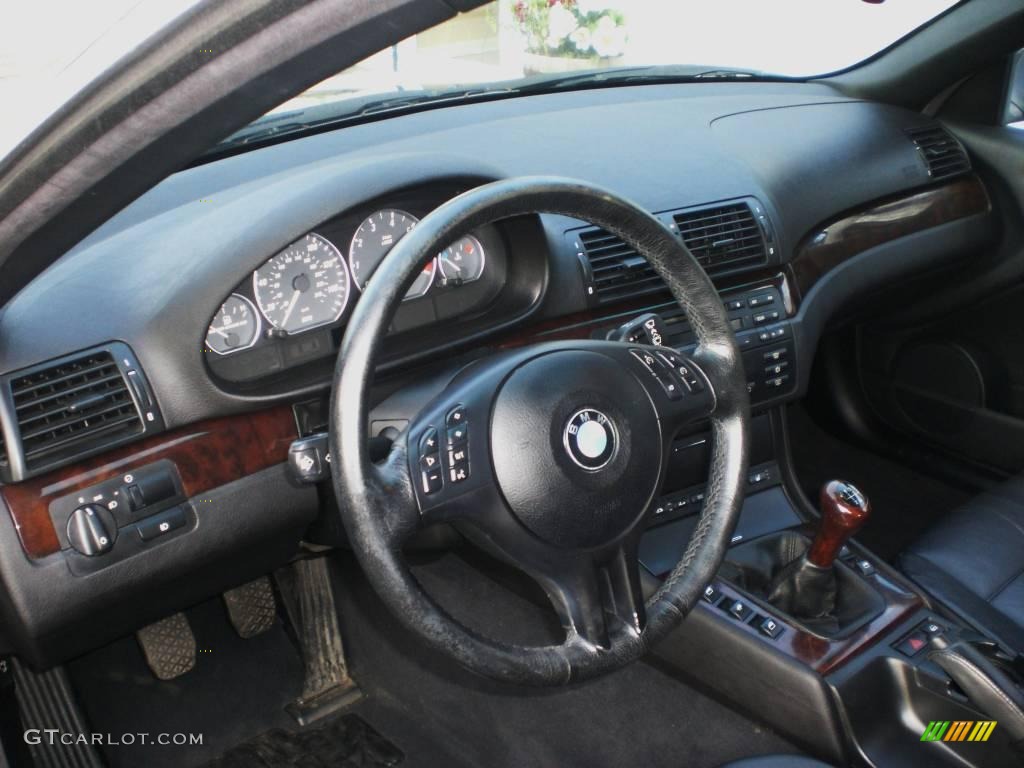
804	590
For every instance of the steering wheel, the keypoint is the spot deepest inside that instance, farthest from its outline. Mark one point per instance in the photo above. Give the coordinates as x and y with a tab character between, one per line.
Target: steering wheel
548	456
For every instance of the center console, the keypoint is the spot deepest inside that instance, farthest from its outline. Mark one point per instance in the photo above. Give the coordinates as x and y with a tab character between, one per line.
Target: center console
856	686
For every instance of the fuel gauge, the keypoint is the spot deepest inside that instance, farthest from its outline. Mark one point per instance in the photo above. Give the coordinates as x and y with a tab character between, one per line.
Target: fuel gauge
236	326
462	261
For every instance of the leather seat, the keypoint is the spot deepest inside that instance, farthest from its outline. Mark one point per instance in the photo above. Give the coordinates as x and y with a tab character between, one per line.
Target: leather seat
973	560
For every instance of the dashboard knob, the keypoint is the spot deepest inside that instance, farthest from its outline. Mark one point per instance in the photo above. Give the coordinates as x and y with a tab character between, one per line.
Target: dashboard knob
91	530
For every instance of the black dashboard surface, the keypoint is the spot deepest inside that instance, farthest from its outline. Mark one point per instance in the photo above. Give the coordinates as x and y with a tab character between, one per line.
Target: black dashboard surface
155	274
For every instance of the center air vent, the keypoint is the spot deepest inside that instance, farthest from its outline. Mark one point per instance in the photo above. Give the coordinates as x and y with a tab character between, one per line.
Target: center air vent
942	153
617	270
721	237
73	406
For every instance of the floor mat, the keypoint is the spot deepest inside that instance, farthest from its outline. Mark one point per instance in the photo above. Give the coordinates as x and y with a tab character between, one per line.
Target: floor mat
904	502
344	742
638	715
237	691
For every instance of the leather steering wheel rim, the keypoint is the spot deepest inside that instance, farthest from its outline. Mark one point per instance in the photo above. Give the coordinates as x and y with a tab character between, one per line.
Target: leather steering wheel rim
380	505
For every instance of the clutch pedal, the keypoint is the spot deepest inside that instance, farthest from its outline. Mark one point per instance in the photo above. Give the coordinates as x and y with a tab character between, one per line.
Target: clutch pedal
169	646
251	607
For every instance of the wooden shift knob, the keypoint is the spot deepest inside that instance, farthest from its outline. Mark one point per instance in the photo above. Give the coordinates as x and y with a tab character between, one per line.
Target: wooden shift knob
844	509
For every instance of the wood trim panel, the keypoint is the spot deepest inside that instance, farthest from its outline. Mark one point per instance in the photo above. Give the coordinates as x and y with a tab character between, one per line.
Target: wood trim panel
208	454
830	245
824	655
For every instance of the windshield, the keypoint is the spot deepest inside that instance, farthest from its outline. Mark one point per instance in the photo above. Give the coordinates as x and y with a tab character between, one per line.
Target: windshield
509	40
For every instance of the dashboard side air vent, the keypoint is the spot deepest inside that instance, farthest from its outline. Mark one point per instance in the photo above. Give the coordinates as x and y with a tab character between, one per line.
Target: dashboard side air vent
942	153
73	406
723	236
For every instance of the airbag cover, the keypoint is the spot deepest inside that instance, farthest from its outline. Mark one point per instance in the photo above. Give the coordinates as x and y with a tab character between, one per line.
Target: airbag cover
576	487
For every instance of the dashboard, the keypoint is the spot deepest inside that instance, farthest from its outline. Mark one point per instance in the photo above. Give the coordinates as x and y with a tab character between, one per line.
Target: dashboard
190	340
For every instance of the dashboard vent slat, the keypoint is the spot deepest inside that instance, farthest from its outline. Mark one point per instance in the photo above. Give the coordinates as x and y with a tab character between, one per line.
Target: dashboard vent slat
720	237
942	153
72	406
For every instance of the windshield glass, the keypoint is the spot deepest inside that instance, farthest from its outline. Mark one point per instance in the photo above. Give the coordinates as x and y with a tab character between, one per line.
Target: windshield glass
509	40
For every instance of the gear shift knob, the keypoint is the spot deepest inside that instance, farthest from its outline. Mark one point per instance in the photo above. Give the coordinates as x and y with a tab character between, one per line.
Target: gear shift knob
844	509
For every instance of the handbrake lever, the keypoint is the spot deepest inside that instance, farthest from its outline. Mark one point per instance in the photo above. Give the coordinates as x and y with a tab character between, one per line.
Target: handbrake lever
989	688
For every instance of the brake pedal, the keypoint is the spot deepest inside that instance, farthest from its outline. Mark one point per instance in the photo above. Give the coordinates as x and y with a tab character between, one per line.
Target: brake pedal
251	607
169	646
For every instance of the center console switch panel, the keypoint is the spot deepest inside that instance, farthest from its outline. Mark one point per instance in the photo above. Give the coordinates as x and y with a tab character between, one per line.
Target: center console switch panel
121	517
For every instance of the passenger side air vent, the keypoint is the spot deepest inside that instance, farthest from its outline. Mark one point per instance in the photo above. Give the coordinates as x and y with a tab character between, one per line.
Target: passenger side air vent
73	406
722	236
942	153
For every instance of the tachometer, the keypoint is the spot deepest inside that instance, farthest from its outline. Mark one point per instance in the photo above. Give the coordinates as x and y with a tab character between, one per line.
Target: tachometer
375	237
235	326
304	286
462	261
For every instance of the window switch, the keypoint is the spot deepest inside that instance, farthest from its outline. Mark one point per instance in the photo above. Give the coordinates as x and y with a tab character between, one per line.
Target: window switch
712	594
770	627
739	610
864	567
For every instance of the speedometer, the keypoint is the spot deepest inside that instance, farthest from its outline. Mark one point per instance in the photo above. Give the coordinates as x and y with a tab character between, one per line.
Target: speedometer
375	237
304	286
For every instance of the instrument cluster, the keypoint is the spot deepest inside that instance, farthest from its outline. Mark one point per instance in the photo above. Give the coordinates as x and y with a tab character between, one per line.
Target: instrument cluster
294	306
309	283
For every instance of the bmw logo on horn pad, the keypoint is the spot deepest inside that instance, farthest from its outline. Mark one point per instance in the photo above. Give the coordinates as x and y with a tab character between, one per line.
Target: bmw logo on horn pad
589	438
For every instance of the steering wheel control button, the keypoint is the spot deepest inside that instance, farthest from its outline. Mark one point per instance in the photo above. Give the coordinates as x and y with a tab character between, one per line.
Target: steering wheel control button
661	371
431	481
455	417
459	473
770	627
430	442
91	530
158	525
430	461
458	435
589	438
457	456
683	370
